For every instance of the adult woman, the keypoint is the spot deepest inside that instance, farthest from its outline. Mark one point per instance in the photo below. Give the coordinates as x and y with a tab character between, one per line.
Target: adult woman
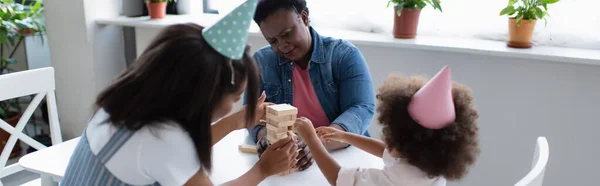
327	79
153	123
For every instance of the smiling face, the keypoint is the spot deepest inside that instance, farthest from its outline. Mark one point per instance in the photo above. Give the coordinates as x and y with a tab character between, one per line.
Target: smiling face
288	34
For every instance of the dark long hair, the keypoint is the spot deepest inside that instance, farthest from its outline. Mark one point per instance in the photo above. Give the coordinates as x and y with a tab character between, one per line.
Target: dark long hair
179	78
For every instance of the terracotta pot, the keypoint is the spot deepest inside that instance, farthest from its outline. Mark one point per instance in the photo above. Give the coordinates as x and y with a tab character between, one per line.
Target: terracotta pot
405	25
519	36
157	10
16	151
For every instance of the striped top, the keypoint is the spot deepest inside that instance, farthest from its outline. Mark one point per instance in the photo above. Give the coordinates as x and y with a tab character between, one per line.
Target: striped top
87	168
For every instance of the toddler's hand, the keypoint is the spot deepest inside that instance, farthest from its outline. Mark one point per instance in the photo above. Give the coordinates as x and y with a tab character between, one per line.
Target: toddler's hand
329	134
304	127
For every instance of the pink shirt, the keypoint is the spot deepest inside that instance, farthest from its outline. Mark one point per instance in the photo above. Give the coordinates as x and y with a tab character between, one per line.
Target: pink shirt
305	98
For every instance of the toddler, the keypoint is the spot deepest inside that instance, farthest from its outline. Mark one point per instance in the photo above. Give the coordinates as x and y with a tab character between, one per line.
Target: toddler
430	135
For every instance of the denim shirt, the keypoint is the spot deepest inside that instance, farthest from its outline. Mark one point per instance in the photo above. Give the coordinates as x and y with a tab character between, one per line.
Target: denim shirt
339	75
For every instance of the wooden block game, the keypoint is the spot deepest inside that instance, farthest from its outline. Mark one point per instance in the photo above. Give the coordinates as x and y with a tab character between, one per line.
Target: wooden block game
282	110
280	119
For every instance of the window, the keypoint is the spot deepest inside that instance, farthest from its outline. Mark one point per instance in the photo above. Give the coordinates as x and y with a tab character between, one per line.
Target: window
210	7
573	23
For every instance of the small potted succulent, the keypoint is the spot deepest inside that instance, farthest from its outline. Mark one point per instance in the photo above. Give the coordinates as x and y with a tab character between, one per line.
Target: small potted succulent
157	9
406	16
523	15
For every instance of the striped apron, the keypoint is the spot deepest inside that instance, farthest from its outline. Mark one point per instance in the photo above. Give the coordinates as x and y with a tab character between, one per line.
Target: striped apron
86	168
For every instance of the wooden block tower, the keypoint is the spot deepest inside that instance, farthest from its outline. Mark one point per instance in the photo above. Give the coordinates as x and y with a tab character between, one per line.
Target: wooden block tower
280	120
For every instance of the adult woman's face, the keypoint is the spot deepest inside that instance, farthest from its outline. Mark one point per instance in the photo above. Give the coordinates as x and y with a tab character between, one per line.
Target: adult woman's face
288	34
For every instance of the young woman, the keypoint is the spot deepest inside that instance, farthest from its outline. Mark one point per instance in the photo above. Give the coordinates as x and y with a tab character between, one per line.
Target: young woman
153	123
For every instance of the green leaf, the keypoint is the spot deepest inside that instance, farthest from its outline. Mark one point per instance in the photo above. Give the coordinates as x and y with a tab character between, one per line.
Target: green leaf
509	10
539	13
9	60
3	114
436	5
519	18
399	12
551	1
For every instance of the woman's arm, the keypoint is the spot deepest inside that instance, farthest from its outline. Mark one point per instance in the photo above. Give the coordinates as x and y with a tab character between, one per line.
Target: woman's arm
356	94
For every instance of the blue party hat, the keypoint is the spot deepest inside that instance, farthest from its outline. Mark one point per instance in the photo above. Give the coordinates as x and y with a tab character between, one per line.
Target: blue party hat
228	36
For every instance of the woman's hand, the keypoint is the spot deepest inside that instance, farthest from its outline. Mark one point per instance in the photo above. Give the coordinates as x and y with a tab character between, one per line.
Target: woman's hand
278	157
305	158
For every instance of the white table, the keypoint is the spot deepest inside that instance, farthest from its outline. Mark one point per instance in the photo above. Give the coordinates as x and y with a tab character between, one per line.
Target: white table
50	162
228	162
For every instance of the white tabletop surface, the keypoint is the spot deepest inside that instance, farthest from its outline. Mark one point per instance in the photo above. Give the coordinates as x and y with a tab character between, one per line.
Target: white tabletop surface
50	161
228	162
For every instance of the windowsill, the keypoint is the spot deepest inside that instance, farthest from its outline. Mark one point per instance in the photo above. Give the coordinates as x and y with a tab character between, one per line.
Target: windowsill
447	44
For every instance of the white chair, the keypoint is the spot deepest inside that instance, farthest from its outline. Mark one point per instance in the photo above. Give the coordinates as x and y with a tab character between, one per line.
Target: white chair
535	176
18	84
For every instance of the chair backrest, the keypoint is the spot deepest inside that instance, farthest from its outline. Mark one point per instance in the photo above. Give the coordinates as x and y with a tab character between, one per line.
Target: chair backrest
38	82
535	176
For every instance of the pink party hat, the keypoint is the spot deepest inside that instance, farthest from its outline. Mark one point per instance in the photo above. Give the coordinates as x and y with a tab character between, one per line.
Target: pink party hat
432	105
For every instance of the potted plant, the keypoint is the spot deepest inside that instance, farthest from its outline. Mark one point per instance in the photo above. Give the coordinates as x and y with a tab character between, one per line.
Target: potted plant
18	21
157	9
520	32
406	16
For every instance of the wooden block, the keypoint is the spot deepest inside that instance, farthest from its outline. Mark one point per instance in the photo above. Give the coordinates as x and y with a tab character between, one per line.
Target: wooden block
282	109
274	129
282	124
278	135
276	119
272	138
248	148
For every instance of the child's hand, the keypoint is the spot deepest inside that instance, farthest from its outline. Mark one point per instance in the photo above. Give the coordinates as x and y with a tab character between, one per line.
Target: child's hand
261	112
304	127
329	134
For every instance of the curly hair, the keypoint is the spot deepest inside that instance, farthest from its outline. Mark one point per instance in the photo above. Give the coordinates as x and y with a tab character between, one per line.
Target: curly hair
447	152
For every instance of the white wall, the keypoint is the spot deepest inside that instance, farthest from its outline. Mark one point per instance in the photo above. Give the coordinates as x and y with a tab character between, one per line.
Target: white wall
85	57
518	100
